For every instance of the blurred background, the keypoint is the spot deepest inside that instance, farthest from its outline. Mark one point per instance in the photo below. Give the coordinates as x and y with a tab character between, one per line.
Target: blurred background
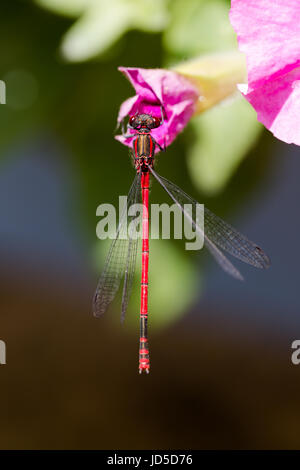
221	375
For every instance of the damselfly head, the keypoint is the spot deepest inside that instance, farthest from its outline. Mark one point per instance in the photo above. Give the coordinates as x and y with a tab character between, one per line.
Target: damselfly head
144	121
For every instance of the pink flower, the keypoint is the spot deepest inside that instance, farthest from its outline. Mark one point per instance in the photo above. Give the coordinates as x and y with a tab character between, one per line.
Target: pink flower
156	88
269	34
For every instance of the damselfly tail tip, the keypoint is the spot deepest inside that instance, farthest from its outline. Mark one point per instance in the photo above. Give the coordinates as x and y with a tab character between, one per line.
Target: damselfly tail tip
141	369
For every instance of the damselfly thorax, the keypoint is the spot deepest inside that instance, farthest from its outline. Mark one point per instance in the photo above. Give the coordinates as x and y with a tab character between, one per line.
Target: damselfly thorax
143	151
144	144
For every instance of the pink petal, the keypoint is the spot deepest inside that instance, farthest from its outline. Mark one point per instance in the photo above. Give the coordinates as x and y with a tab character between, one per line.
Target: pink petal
269	34
156	88
278	106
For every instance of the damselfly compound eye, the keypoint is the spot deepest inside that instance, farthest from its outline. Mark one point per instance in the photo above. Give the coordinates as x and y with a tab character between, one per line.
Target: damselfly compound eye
132	121
156	122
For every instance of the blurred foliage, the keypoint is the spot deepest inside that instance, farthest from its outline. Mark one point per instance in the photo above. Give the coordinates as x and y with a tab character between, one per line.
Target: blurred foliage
77	104
102	22
197	27
222	135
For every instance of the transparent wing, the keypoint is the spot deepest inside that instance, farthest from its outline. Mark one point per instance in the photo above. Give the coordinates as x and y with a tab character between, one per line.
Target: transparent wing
218	233
131	256
230	240
120	260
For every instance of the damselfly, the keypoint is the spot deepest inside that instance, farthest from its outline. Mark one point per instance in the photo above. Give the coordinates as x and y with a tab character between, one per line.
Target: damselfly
121	258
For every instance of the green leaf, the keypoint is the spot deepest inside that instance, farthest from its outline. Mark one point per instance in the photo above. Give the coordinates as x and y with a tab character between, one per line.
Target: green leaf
95	31
199	26
71	8
151	16
102	22
223	136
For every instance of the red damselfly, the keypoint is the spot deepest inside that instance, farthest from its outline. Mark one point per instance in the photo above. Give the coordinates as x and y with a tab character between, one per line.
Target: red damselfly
121	259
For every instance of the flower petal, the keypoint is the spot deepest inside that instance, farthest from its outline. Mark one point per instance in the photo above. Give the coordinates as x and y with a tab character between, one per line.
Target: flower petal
215	75
156	89
278	106
269	34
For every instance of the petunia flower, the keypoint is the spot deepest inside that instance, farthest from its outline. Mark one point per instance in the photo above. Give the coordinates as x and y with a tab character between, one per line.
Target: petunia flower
160	92
268	33
180	93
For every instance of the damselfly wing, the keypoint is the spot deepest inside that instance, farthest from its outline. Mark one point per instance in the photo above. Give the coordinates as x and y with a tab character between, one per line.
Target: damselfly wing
121	259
